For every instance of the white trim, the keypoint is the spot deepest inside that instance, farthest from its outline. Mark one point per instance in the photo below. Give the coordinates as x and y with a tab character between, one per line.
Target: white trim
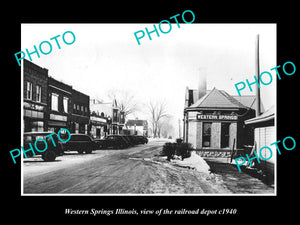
60	89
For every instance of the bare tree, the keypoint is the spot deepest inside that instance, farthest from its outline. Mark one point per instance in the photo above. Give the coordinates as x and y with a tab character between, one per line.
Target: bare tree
157	111
166	128
126	101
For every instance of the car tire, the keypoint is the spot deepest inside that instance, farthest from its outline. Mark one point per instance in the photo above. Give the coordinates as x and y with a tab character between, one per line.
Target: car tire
80	151
49	156
29	155
88	151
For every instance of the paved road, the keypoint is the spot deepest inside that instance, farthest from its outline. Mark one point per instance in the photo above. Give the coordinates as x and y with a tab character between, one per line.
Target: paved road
137	170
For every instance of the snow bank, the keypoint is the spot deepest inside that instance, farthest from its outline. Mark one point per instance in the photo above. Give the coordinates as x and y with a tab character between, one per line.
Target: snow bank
195	161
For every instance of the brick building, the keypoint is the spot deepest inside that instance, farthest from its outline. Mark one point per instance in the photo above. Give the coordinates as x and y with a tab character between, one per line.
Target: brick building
80	115
50	105
35	97
59	105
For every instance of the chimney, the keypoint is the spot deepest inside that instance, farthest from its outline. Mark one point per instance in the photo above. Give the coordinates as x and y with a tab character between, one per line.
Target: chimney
202	83
186	101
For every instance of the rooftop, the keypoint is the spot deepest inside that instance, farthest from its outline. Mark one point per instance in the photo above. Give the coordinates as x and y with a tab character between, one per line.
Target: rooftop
217	99
136	122
266	116
221	99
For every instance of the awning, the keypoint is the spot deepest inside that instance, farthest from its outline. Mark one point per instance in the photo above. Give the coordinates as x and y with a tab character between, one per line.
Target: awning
57	123
266	116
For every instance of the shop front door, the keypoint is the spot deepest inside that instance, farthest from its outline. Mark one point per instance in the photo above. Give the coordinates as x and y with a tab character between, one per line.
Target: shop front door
225	135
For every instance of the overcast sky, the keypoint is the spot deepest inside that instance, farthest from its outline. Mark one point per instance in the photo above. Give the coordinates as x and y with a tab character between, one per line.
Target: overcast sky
107	56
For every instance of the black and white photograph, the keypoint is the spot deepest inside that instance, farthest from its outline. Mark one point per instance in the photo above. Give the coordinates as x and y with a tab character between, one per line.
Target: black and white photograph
131	109
149	112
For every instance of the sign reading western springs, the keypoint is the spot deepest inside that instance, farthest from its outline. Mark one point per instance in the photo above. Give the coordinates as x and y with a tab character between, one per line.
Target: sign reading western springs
216	117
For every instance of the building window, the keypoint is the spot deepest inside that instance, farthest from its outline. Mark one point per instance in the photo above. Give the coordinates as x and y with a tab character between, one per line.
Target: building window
38	95
82	108
65	103
78	107
206	134
74	106
37	126
54	102
29	90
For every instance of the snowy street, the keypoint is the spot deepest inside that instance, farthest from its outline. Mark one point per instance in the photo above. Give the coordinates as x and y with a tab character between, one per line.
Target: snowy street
137	170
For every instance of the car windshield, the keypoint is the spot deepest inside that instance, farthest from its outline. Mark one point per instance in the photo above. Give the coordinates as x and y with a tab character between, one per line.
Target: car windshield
28	138
40	137
80	138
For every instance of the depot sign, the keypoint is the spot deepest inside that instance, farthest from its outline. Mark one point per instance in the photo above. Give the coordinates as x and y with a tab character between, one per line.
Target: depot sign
216	117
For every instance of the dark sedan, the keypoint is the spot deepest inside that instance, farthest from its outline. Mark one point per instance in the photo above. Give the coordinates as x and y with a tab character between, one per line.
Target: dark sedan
142	139
113	141
80	143
51	152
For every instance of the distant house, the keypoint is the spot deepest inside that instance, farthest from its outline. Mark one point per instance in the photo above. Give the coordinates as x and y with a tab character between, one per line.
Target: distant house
137	127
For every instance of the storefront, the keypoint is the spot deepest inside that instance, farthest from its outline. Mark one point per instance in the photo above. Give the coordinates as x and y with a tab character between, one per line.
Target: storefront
98	126
35	91
56	122
79	124
34	117
216	121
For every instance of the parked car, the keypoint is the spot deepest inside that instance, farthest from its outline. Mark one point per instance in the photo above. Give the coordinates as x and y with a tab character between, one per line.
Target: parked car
142	139
80	143
127	139
52	151
132	140
113	141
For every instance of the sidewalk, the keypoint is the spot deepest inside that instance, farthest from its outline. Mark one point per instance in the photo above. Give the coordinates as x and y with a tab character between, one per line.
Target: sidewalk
238	182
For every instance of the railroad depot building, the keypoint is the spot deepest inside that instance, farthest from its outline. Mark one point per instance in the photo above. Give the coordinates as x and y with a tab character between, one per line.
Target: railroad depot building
214	120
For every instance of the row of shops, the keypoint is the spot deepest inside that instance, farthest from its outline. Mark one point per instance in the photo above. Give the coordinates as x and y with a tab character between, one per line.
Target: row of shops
49	105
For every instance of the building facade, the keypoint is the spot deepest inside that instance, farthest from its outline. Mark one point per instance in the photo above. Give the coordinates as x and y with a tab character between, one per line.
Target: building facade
35	97
110	112
215	120
80	116
137	127
98	120
49	104
59	104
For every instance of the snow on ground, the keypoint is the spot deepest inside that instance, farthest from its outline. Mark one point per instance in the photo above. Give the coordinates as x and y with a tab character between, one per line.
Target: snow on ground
195	161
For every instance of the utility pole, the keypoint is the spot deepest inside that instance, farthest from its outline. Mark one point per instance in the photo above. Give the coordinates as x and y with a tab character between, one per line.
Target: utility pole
179	131
257	70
